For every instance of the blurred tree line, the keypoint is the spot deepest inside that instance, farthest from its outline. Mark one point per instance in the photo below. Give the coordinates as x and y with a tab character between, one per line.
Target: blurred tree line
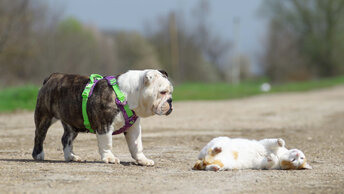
305	39
36	40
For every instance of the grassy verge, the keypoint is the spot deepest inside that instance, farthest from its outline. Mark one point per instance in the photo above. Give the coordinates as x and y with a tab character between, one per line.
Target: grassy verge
220	91
18	98
24	97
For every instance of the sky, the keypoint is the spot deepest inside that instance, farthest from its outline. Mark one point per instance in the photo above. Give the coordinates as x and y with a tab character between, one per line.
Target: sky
133	15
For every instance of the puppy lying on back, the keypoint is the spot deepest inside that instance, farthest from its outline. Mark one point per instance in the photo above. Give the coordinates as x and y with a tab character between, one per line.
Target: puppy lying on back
223	153
147	92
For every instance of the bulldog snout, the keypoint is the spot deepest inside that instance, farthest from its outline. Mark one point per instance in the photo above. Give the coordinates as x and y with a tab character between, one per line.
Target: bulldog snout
169	111
170	105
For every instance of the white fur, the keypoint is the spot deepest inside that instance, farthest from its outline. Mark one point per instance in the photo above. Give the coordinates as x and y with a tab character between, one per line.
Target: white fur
68	154
295	156
105	146
40	156
251	154
134	141
53	120
141	89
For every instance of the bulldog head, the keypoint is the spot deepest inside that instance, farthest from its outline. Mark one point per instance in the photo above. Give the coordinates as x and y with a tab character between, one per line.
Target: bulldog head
157	92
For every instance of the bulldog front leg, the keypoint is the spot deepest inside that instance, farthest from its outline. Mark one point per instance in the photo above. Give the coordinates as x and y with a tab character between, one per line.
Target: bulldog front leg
105	146
134	141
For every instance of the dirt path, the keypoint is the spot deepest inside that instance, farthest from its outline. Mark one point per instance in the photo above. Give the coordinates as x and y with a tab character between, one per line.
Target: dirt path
311	121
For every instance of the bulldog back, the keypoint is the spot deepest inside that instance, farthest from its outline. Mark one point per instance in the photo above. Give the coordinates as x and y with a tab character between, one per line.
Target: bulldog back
60	98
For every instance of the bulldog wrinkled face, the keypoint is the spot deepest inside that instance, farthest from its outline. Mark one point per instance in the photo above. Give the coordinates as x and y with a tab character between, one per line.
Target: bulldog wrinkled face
158	92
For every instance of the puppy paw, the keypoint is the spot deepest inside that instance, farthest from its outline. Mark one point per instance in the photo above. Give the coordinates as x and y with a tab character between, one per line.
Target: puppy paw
75	158
145	162
110	158
271	161
281	142
272	158
213	168
198	165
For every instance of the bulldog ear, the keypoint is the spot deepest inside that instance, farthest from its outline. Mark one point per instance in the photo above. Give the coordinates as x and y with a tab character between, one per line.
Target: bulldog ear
163	72
148	77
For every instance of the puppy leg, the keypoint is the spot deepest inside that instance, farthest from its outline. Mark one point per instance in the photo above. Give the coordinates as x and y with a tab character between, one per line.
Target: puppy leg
213	167
42	122
270	162
105	146
273	143
134	141
67	141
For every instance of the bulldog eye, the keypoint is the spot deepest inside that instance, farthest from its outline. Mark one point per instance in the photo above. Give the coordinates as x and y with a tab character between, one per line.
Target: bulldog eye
163	92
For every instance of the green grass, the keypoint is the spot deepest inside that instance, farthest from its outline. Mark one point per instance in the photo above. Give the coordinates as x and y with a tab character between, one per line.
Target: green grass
24	97
309	85
18	98
214	91
220	91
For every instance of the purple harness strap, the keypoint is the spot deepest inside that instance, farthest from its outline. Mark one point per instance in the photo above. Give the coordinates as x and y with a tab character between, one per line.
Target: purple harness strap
129	121
92	88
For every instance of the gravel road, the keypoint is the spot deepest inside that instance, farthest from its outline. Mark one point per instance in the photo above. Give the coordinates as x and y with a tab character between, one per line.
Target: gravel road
311	121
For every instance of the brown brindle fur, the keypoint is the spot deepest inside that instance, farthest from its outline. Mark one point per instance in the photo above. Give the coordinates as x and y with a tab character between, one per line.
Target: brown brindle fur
60	98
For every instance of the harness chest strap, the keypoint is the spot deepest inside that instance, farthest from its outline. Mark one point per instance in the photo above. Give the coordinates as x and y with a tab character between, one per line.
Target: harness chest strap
129	115
85	94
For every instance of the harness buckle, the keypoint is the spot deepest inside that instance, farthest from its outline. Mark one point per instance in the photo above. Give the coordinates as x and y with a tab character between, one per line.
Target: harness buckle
95	77
113	81
118	101
85	93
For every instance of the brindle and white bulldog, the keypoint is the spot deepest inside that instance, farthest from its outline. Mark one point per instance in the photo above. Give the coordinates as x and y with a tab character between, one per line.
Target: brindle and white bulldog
148	92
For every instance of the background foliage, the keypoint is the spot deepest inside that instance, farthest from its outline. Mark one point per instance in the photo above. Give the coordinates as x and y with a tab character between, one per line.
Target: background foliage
304	41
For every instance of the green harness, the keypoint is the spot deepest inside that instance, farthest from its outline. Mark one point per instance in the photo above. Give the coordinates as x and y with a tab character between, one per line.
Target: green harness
129	115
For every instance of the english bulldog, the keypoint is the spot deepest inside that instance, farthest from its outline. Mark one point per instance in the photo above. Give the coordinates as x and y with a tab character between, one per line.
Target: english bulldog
148	92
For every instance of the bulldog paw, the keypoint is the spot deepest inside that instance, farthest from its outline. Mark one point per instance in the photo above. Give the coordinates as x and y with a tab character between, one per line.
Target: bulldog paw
71	157
145	162
110	158
39	156
76	158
